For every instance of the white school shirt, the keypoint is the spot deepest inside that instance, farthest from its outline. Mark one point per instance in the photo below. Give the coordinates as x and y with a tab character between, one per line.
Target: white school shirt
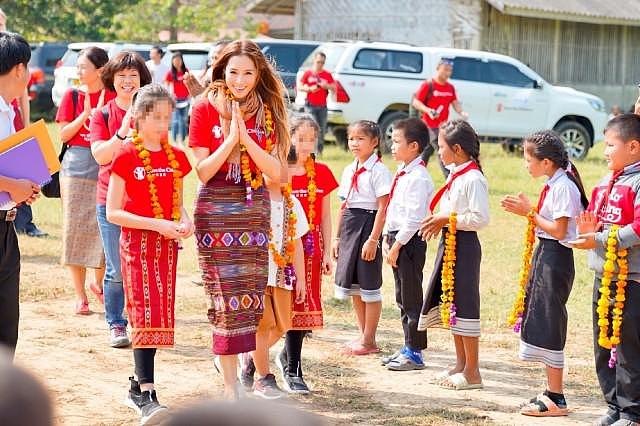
562	200
410	203
468	197
373	183
7	114
277	221
158	72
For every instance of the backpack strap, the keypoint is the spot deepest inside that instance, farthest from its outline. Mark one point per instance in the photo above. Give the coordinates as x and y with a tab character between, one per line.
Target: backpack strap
429	92
105	116
74	100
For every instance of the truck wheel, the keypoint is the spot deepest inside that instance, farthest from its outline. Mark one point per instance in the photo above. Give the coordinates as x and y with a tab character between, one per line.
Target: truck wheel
340	133
575	137
385	127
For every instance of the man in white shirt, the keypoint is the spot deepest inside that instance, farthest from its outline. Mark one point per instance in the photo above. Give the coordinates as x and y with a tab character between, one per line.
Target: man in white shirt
157	68
14	76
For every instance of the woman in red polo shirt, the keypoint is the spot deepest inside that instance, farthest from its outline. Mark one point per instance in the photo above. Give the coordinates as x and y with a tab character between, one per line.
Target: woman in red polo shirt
81	244
238	131
175	82
110	125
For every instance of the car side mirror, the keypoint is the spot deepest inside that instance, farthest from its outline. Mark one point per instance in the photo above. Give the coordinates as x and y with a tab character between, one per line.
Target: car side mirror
538	84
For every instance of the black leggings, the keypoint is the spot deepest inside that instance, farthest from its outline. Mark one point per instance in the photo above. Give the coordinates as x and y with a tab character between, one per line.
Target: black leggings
144	361
293	348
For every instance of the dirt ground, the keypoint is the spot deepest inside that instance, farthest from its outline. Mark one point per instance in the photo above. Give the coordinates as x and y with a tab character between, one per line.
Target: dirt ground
88	379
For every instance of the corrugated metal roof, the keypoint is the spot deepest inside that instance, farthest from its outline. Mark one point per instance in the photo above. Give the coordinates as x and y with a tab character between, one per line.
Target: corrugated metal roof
604	11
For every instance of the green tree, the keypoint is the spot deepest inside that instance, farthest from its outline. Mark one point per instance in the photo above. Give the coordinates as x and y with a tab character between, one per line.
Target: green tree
202	17
66	19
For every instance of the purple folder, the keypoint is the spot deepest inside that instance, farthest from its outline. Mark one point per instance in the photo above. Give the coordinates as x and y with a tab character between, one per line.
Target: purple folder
23	161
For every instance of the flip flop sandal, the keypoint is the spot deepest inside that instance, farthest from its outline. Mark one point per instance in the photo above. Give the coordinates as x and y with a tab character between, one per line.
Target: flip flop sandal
82	308
459	382
438	378
543	406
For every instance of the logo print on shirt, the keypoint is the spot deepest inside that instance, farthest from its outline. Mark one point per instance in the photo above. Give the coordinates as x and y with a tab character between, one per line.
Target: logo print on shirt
138	173
217	131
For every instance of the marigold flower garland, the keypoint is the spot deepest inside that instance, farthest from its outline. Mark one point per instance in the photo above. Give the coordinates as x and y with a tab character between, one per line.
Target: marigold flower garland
253	183
614	256
448	306
312	188
284	258
515	317
176	201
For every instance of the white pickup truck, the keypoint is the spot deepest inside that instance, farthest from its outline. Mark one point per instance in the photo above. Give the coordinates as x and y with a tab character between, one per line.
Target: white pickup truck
504	98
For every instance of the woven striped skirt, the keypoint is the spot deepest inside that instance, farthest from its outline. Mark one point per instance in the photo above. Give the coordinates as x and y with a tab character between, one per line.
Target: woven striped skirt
232	251
81	243
308	314
149	277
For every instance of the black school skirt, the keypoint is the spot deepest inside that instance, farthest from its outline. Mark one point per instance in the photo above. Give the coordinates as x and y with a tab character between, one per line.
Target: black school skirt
544	321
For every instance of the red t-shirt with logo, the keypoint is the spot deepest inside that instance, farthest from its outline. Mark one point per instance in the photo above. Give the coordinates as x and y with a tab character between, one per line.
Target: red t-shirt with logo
99	131
179	88
67	114
311	78
326	183
441	98
128	165
205	130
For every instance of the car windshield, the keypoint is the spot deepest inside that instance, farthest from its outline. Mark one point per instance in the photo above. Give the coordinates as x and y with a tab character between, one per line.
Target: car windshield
333	52
69	59
193	59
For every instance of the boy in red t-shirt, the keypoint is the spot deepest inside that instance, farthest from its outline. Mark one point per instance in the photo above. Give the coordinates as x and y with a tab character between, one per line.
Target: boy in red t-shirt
433	99
317	83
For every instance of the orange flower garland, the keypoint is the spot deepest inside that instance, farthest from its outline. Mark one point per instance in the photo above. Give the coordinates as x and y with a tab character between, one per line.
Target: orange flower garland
285	257
515	317
613	256
312	188
254	182
448	306
145	156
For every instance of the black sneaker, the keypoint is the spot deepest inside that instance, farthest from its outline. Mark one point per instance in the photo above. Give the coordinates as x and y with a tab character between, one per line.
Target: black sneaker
267	388
295	384
247	371
146	405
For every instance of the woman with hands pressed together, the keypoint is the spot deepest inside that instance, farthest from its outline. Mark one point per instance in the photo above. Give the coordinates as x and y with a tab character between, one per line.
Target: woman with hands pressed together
239	135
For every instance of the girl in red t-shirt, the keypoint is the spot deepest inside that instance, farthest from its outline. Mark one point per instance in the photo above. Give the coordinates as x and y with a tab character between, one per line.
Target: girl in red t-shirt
81	244
145	199
125	74
175	82
238	131
312	183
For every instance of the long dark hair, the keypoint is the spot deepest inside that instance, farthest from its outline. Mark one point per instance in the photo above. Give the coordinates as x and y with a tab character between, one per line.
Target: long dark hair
548	144
460	132
174	70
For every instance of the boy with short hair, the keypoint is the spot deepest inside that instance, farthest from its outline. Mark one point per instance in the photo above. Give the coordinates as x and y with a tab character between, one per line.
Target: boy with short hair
14	76
611	226
411	192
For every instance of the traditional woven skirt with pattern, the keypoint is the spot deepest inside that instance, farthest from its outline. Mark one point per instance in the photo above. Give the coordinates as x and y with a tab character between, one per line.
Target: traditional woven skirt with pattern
149	277
232	250
466	287
308	315
81	243
544	324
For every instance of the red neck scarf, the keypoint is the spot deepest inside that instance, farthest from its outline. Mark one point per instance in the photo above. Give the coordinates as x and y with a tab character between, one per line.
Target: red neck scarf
447	186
